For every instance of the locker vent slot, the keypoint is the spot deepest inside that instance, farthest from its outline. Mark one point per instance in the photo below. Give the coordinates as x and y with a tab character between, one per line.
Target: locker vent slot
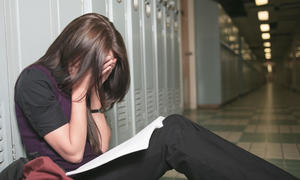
161	102
122	114
150	104
139	110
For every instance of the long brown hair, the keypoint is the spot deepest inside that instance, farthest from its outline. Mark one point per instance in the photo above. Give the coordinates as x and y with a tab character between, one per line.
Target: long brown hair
88	40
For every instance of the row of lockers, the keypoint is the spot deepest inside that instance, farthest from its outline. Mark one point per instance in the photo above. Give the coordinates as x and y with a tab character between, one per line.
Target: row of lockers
288	74
151	30
238	75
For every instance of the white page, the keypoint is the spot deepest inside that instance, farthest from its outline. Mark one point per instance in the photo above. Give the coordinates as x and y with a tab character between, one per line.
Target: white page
137	143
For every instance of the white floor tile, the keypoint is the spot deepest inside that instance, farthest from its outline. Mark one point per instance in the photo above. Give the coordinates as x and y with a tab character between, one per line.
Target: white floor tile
245	146
284	129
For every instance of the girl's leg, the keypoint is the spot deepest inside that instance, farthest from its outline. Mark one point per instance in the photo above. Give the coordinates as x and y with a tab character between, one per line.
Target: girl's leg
192	150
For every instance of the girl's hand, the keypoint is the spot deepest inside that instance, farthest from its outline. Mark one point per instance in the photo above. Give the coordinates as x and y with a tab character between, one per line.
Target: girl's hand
110	63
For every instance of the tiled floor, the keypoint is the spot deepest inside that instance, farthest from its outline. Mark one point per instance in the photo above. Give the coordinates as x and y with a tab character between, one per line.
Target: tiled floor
265	122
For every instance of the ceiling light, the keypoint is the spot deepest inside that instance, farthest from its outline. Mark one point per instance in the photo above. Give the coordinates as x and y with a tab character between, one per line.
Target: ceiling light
267	44
261	2
268	55
232	38
265	35
263	15
267	50
265	27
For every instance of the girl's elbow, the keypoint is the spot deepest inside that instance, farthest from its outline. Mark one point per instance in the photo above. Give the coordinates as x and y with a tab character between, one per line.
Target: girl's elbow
74	157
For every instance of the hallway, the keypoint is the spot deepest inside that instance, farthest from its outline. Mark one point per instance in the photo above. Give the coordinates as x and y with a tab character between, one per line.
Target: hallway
265	122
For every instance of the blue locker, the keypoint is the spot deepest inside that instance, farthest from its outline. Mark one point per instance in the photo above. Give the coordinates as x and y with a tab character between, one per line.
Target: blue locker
148	19
136	64
169	55
161	57
121	113
177	74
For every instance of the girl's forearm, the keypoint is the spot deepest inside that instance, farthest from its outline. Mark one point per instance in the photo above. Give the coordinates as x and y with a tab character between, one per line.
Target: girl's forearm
100	120
104	130
78	126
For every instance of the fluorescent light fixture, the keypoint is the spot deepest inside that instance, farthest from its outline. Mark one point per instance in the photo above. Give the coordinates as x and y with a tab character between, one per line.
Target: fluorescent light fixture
267	50
263	15
232	38
265	35
267	44
268	55
264	27
261	2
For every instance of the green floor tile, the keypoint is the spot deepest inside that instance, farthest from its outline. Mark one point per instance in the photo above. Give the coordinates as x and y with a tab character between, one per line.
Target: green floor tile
274	122
293	164
295	173
253	137
271	137
276	162
225	128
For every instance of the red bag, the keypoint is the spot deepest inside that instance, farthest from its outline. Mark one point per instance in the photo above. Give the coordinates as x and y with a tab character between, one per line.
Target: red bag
42	168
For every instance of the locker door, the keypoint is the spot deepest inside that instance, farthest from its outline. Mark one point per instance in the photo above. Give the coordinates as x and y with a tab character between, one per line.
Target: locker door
137	70
69	10
147	17
5	129
35	32
28	35
100	7
169	56
177	74
122	110
160	58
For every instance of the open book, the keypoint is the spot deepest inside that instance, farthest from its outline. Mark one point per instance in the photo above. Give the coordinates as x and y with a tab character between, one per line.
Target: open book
137	143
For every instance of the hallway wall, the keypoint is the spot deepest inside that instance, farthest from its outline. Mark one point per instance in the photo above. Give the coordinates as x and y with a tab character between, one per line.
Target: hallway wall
151	30
207	46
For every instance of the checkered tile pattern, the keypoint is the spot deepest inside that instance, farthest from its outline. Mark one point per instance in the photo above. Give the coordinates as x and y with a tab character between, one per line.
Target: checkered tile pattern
265	122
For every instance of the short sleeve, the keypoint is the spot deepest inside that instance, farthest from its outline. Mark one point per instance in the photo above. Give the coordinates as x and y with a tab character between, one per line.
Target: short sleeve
36	98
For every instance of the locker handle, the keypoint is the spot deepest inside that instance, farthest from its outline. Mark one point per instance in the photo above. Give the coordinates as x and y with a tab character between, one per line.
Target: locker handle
168	21
175	25
171	5
147	8
135	4
159	14
165	2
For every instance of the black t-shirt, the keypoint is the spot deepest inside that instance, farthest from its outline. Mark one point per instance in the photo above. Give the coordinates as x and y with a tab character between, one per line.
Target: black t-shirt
35	96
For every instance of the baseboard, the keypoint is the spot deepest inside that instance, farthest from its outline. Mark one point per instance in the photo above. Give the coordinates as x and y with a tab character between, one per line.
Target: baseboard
209	106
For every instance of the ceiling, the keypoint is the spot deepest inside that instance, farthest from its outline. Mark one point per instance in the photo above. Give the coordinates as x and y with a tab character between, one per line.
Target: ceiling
284	25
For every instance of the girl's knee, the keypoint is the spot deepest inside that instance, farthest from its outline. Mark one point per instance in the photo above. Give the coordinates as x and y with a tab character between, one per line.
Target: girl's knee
176	119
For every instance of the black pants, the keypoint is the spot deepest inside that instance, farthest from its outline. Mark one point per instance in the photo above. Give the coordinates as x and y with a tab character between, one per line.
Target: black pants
192	150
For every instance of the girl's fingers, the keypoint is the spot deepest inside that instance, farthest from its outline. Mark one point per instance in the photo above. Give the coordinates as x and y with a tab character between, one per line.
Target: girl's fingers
109	63
106	74
106	70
